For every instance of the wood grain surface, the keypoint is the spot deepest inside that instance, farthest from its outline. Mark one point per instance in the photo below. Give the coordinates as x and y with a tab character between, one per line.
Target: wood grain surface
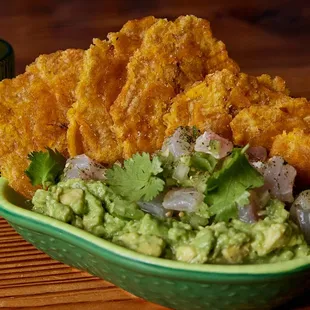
262	36
29	279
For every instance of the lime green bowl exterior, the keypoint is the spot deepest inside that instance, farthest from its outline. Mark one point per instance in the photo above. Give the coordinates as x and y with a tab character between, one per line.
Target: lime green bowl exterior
173	284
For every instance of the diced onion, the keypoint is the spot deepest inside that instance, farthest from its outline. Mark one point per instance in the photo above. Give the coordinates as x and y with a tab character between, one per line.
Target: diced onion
181	172
83	167
183	199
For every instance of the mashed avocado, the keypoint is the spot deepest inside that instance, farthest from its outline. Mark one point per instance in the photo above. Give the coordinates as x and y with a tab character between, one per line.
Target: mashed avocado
92	206
198	200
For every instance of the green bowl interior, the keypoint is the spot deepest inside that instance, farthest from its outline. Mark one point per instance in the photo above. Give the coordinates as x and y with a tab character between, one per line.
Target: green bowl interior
14	208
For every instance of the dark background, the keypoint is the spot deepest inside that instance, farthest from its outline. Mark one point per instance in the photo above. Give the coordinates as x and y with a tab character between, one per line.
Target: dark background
267	36
262	36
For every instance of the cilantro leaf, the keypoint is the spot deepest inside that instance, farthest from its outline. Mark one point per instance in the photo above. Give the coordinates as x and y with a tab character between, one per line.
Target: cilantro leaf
45	167
137	179
156	165
228	187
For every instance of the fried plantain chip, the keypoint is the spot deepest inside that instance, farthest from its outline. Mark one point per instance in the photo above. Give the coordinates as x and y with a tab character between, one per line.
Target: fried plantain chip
33	110
213	103
102	78
172	56
294	147
258	125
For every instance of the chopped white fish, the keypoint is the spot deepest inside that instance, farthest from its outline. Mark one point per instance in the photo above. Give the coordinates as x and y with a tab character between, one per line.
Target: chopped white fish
248	213
211	143
257	153
263	196
257	200
83	167
300	213
303	200
154	207
183	199
259	166
179	144
279	178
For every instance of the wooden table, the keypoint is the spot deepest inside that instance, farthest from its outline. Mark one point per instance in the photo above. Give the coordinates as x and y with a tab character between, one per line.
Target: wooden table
262	36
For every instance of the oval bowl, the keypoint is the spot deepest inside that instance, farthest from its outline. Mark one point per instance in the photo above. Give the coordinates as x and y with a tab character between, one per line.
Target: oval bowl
169	283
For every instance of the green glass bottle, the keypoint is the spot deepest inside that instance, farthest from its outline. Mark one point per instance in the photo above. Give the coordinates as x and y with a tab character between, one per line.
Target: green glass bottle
7	65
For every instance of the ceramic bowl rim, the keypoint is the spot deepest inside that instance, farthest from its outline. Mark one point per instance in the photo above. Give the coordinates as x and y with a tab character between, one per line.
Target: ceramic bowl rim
44	223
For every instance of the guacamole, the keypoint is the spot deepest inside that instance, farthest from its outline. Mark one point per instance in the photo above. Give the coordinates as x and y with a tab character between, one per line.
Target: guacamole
90	205
181	204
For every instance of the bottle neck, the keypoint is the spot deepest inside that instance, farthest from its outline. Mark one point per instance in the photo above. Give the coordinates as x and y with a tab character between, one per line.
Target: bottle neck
7	63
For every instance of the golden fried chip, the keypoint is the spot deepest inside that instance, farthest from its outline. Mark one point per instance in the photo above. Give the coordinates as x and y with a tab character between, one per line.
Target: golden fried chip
294	147
60	71
259	124
204	106
33	114
276	83
172	56
213	103
102	78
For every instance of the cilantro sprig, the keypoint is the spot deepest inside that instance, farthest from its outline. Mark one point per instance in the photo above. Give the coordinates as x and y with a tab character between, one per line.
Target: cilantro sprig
137	179
45	167
228	187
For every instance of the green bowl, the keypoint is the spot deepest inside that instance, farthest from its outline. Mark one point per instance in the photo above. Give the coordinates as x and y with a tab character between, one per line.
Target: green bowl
173	284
